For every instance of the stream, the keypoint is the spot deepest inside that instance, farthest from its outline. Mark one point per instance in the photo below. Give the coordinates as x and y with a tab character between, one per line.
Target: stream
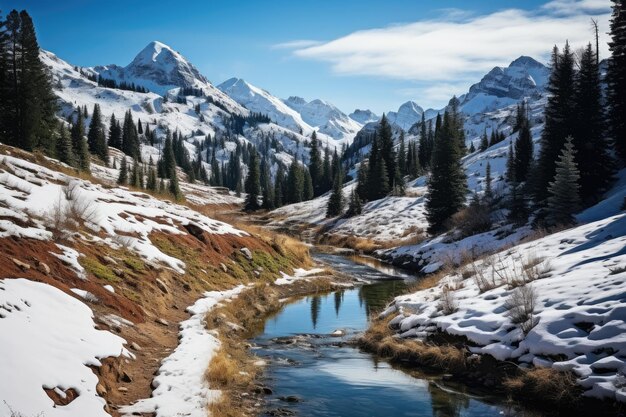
312	373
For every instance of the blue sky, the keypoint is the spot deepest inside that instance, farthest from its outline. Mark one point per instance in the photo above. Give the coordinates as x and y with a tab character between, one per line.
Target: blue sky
365	54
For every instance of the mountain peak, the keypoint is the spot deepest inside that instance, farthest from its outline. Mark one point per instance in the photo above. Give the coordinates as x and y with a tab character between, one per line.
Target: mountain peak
526	62
156	51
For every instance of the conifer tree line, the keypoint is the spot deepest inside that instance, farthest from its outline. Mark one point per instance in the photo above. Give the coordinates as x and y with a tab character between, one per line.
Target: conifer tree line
27	103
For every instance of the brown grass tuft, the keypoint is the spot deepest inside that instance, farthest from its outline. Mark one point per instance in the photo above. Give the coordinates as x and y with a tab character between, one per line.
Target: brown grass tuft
544	384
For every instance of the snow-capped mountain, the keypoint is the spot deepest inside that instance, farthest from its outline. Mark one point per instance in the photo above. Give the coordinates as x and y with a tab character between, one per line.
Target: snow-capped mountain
364	116
159	69
325	117
407	115
258	100
503	86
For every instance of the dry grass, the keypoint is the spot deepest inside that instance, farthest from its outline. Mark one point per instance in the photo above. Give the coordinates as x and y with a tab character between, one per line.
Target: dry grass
521	305
380	340
544	384
367	245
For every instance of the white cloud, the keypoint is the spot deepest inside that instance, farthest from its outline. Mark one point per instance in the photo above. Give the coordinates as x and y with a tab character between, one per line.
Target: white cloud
455	47
297	44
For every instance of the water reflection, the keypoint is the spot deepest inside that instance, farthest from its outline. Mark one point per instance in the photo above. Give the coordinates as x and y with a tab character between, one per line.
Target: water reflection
342	381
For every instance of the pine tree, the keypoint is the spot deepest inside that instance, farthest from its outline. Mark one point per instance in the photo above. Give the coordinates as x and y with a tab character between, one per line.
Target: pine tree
564	199
253	183
307	187
510	165
315	165
327	176
96	137
122	179
424	146
355	207
279	195
27	111
589	137
77	132
169	160
130	138
266	185
402	159
472	149
447	184
115	133
378	182
174	188
484	141
336	201
295	183
65	152
523	154
362	181
488	190
560	119
387	153
151	183
136	179
616	78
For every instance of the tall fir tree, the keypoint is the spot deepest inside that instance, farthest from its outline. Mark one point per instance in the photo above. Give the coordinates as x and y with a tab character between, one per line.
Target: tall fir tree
253	183
488	189
295	183
315	165
523	153
447	185
362	181
28	104
307	187
130	138
564	197
122	178
560	119
266	185
336	201
115	133
616	78
65	151
96	137
589	136
402	158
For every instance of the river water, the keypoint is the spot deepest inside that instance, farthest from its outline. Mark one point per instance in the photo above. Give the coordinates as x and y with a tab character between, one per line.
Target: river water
313	373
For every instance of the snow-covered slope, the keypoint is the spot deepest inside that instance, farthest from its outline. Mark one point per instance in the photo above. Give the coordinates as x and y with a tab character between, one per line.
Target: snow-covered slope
260	101
577	283
48	341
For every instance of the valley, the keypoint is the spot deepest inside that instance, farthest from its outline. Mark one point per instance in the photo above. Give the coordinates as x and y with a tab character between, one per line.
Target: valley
171	246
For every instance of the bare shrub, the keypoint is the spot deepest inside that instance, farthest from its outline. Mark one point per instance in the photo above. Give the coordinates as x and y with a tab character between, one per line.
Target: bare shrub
485	280
79	209
521	307
471	220
447	302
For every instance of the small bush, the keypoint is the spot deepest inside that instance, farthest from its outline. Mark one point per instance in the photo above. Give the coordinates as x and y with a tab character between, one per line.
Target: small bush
471	220
447	302
223	372
546	385
521	307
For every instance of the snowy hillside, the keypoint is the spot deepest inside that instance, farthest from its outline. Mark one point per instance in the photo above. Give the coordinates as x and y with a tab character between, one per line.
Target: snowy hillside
564	311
